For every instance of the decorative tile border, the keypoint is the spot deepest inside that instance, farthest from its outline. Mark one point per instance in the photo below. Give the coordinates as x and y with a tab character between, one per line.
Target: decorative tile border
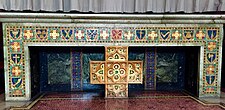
208	37
150	63
76	61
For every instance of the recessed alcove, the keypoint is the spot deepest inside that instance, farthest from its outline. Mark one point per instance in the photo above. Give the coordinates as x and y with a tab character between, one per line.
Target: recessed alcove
53	68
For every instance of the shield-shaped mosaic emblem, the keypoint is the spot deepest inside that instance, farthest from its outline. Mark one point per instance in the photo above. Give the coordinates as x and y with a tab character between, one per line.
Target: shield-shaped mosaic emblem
92	34
15	33
189	34
211	57
16	82
41	34
140	34
16	58
212	34
165	34
210	79
66	34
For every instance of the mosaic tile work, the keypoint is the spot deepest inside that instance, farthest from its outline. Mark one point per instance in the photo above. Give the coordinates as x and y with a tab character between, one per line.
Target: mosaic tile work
150	59
17	36
116	72
76	59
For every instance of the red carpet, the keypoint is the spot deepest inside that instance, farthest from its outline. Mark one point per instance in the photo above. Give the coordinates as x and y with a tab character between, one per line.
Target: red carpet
136	101
124	104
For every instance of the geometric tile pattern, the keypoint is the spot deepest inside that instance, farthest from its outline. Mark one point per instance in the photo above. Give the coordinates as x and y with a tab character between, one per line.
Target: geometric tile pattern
97	72
150	60
76	60
16	36
116	72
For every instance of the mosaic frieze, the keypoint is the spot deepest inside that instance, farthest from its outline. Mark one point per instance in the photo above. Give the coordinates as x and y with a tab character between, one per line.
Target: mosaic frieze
17	36
16	63
104	34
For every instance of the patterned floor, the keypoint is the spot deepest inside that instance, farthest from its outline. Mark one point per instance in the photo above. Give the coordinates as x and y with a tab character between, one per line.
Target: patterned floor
137	101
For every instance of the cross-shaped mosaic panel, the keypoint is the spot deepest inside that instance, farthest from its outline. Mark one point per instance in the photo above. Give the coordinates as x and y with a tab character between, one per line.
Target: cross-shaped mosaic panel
116	72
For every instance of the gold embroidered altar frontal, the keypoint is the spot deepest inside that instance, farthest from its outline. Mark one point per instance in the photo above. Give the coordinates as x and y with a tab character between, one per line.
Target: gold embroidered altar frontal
116	72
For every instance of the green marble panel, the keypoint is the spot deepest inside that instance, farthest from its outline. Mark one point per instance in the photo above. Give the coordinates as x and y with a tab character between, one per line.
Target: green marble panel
167	67
59	68
94	54
170	68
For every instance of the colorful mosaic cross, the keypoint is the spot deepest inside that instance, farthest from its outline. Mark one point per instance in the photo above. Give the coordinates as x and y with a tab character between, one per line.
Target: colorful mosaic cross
116	72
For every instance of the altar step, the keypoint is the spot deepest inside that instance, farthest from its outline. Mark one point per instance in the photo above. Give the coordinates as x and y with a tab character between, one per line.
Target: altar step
99	95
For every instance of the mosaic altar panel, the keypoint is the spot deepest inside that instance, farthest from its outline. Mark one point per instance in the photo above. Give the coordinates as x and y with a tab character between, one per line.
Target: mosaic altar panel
116	72
97	72
16	36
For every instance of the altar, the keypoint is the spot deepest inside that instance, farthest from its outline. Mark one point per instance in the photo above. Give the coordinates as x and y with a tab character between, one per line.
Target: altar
116	33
